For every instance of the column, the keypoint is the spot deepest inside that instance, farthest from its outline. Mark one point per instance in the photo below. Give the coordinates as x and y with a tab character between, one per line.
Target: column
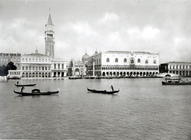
93	68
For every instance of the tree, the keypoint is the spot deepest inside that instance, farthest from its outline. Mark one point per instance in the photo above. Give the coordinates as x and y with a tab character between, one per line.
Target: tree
4	69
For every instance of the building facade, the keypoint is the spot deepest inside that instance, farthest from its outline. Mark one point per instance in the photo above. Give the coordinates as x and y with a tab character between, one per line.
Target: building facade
123	64
39	66
178	68
76	68
59	68
5	58
35	65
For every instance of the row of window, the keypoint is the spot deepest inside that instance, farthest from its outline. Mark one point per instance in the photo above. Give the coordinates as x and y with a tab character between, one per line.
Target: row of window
182	73
11	55
36	68
126	68
129	73
4	60
37	74
58	66
35	59
43	74
8	60
14	73
179	66
131	61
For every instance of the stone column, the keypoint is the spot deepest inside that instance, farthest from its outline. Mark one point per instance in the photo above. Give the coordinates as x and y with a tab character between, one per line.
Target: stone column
93	68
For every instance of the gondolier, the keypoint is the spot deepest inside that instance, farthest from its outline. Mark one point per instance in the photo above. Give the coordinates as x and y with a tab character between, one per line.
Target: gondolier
112	88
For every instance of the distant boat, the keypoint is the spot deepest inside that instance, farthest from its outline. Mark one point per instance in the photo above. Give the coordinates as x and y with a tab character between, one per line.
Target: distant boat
36	92
103	91
74	77
175	81
13	78
27	85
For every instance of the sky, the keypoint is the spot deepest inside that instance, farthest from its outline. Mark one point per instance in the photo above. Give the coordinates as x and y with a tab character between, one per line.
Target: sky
86	26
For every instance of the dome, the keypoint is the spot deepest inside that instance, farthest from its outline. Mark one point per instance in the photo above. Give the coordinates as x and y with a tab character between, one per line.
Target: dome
85	56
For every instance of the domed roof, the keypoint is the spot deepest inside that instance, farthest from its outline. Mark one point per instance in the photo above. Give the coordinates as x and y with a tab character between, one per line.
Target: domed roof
85	56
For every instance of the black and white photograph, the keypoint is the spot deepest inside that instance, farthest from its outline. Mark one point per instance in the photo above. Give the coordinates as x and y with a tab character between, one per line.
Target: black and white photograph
95	70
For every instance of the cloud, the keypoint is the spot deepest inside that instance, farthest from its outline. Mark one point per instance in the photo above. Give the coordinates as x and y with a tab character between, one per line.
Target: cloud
20	36
82	36
147	32
108	18
150	32
83	28
86	26
178	40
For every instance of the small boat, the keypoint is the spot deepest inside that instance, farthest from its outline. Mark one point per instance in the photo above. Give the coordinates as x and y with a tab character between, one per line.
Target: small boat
36	92
175	81
27	85
74	77
13	78
103	91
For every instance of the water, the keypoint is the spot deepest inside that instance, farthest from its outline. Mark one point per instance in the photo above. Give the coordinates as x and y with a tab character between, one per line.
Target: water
144	110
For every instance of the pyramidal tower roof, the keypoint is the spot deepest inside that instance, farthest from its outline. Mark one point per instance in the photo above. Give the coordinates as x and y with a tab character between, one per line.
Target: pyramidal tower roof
49	20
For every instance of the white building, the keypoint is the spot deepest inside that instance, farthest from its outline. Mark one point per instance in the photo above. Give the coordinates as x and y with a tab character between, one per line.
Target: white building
123	64
178	68
33	65
59	68
39	66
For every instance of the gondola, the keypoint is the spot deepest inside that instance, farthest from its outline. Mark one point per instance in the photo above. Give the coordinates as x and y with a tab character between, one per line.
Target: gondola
36	92
74	77
103	91
25	85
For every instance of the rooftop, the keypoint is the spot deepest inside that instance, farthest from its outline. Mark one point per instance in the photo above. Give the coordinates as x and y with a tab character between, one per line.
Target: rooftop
176	62
135	52
35	54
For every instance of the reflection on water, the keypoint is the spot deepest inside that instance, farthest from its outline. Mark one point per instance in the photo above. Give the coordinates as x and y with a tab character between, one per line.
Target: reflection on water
144	109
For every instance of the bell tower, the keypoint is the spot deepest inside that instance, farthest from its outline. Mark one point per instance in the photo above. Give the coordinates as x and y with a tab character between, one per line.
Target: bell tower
49	37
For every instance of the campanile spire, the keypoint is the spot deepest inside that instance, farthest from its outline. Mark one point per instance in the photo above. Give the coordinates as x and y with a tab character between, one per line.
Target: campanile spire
49	37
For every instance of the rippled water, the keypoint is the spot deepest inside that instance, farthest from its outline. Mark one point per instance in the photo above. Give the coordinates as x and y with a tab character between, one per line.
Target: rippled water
144	110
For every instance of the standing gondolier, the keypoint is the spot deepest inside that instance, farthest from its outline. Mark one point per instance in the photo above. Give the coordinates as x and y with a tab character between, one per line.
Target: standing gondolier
112	88
22	88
